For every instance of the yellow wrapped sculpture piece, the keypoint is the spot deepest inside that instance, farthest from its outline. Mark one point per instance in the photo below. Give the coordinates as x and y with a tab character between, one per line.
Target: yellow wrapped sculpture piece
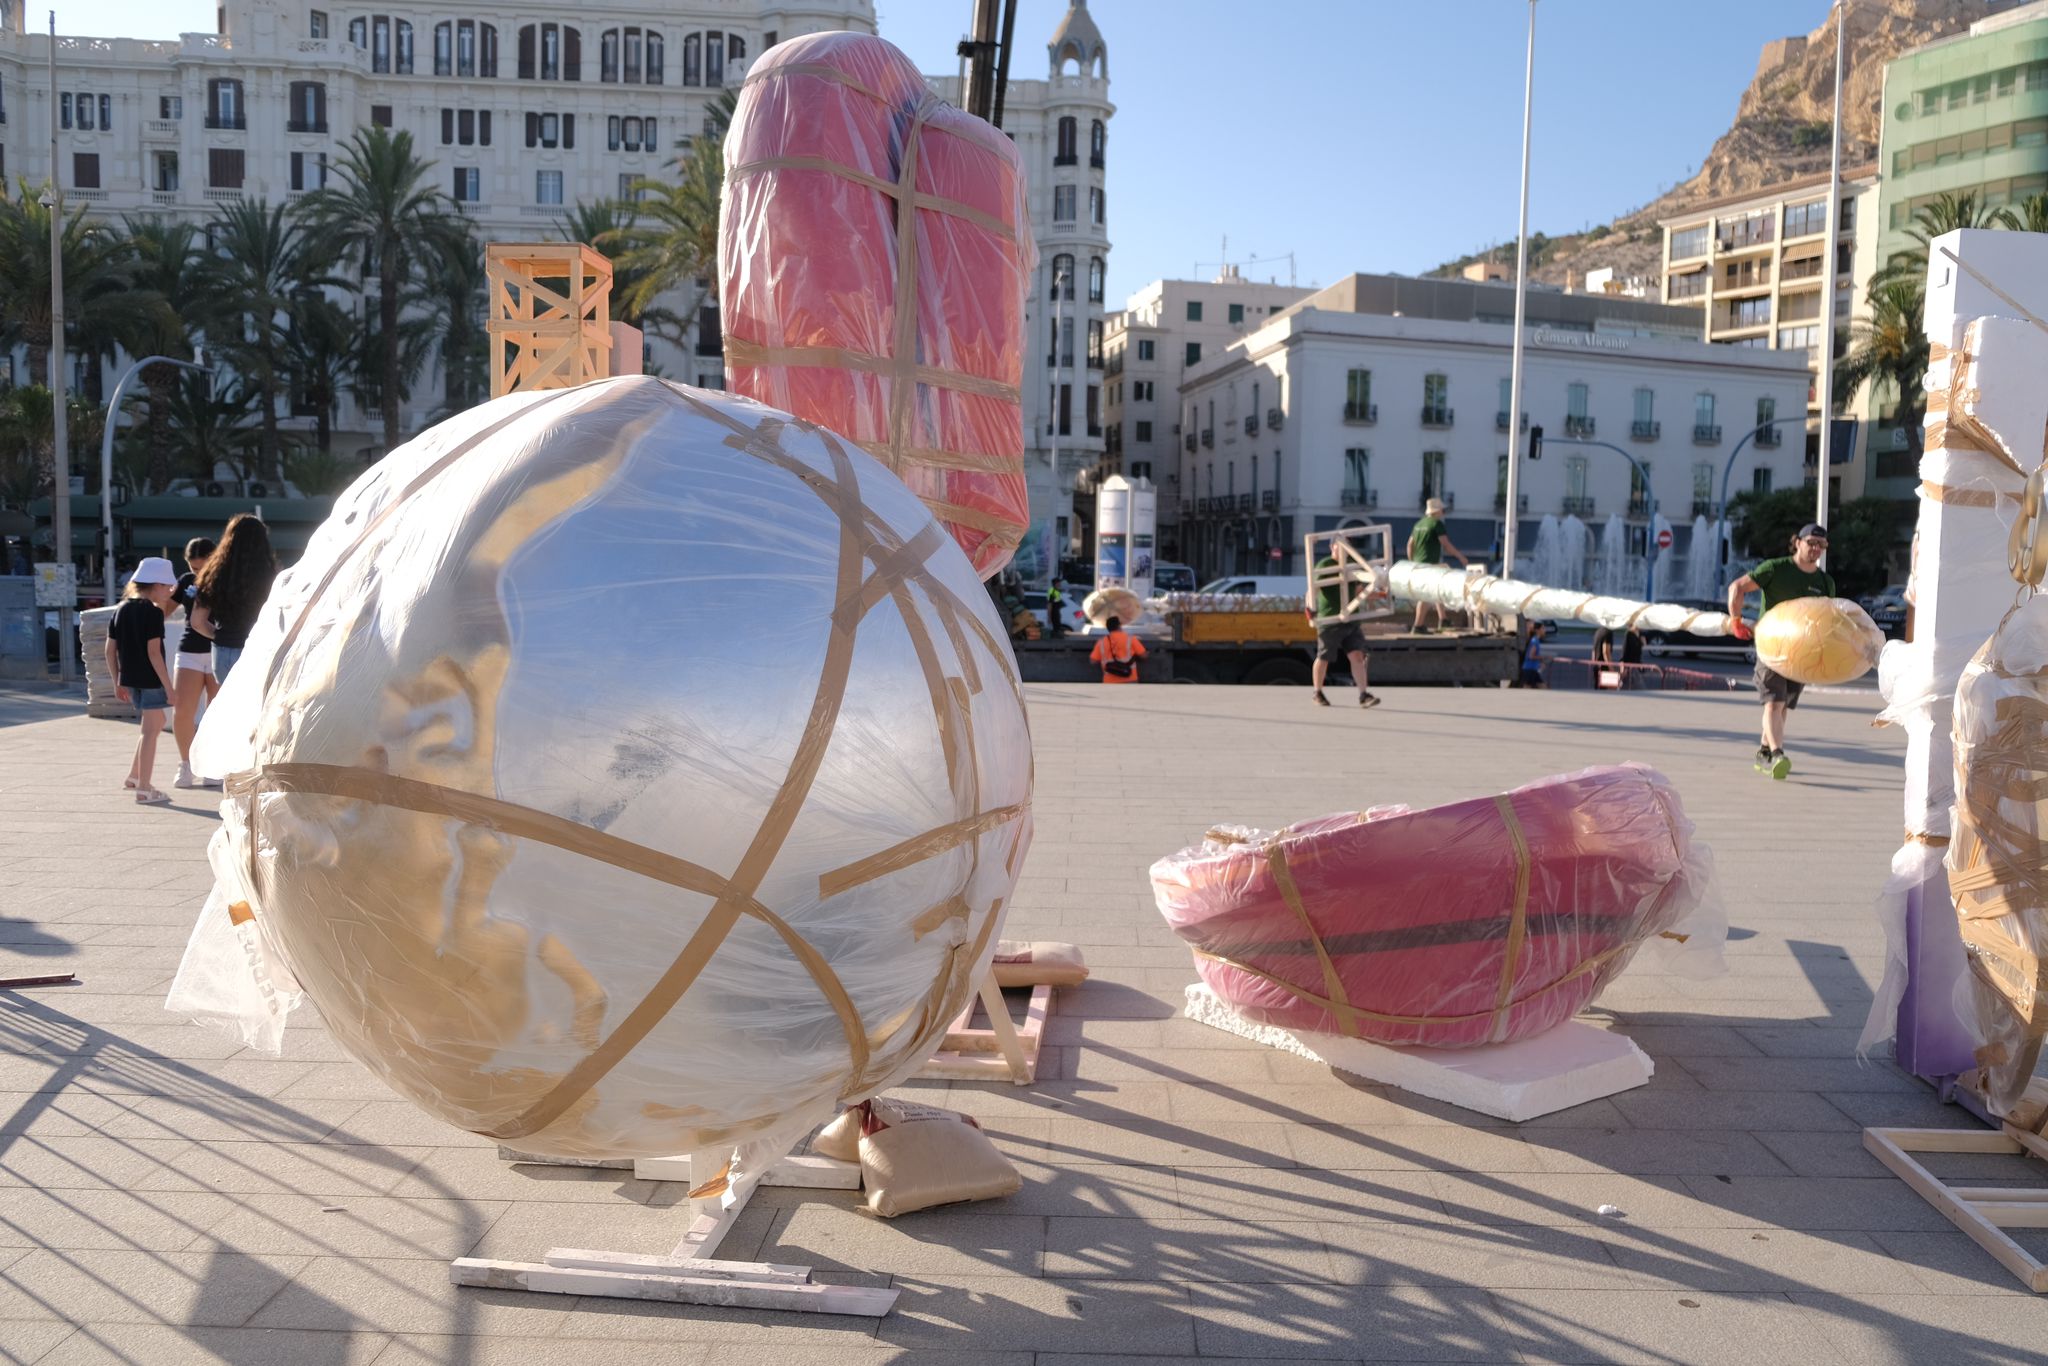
1818	641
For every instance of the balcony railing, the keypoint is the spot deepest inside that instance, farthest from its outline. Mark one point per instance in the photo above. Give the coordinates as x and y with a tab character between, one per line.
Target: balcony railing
305	125
1435	415
1807	269
224	194
163	199
1251	425
1500	420
1355	497
1188	441
1500	501
1274	419
1244	502
1706	434
1645	430
1095	160
160	128
1363	413
1705	507
1769	438
1209	437
1754	234
1638	505
1578	425
85	196
1578	507
1270	499
1069	159
237	122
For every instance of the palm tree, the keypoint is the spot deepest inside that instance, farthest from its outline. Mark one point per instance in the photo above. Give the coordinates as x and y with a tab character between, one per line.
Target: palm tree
606	226
253	277
456	297
167	262
673	242
212	426
1888	351
1948	212
2032	215
386	219
319	354
28	437
102	304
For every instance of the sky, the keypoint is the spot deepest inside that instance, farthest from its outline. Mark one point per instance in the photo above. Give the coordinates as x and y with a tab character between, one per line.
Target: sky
1374	135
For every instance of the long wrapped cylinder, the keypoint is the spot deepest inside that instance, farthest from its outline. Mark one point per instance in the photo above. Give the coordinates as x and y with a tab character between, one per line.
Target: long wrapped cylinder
704	888
874	248
1478	922
1997	855
1450	587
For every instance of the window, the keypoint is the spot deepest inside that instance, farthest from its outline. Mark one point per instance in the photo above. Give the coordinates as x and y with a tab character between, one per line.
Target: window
735	48
465	48
714	58
468	185
1062	277
170	106
1702	482
380	43
1097	205
483	127
1575	399
1803	220
1141	390
1760	479
1638	490
526	52
611	133
1436	399
404	47
1237	313
1192	355
1575	484
1063	203
1766	411
633	49
1687	243
308	110
316	23
224	104
64	108
1646	402
166	178
487	58
380	116
1194	310
1357	474
1358	395
629	132
1145	350
550	130
693	59
1098	136
547	187
1063	154
85	120
1507	398
224	168
444	48
608	56
85	170
654	58
106	113
1096	273
1144	431
1432	475
359	32
308	171
1095	343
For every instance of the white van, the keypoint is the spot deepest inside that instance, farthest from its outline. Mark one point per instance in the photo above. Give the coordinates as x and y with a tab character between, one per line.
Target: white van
1289	585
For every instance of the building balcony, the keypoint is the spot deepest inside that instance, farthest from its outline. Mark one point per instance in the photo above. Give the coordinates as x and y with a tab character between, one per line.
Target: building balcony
1244	502
1434	415
305	125
1758	278
160	129
1270	499
1068	160
1251	424
1746	239
1578	425
1274	419
1706	434
1095	362
1578	507
1188	443
1808	269
1209	438
1681	287
1638	505
1705	507
1500	420
1355	497
85	196
1644	430
232	122
1095	161
1362	414
223	194
163	199
1768	438
1500	501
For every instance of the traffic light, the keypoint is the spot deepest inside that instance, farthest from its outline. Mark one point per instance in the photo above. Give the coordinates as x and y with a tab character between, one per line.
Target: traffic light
1535	443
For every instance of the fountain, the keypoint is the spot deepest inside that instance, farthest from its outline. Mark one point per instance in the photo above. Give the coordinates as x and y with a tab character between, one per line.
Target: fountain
1545	564
1572	541
1703	560
1612	578
1665	562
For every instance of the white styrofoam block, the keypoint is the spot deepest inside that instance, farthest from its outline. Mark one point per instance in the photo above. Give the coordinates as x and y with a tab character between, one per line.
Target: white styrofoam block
1562	1067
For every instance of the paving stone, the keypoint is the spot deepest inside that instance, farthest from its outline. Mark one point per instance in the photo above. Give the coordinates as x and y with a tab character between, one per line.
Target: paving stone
1653	1152
1881	1330
1819	1202
1369	1323
356	1226
1139	1317
1658	1327
332	1170
1229	1250
204	1286
1737	1261
935	1242
95	1161
84	1219
1379	1147
1460	1254
124	1344
410	1295
1309	1194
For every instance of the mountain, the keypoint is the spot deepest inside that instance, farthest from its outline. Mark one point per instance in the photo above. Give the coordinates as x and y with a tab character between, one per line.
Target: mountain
1780	131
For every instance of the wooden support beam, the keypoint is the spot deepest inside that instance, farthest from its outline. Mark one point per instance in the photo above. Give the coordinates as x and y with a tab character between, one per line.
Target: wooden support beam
1984	1213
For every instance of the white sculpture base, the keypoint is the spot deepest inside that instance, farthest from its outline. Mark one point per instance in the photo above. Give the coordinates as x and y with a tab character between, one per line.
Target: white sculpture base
1566	1066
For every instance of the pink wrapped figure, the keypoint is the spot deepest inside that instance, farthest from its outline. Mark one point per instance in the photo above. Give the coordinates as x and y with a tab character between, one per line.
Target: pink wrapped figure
1478	922
874	246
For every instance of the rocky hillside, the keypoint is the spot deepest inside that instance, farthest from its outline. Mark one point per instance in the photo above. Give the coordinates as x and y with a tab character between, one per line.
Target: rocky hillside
1780	130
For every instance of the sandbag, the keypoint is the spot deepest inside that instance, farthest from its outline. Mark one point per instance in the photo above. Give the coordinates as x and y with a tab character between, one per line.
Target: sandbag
1038	963
874	247
925	1156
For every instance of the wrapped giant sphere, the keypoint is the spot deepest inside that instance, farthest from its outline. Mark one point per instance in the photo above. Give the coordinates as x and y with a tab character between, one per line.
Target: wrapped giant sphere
1818	640
1104	603
627	769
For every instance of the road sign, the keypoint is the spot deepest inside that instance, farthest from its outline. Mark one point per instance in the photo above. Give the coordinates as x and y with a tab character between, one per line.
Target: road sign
1664	538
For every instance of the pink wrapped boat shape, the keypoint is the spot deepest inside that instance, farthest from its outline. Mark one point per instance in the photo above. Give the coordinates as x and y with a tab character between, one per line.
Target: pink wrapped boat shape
1477	922
874	248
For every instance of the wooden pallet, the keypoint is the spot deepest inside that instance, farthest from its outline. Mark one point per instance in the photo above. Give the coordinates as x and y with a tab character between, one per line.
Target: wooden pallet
1983	1212
692	1272
1002	1050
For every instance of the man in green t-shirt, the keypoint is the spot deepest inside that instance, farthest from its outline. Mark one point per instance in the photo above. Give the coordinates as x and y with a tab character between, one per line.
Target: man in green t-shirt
1338	640
1797	575
1426	545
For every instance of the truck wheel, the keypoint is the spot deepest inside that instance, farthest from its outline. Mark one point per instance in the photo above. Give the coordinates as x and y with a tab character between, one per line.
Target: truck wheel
1279	673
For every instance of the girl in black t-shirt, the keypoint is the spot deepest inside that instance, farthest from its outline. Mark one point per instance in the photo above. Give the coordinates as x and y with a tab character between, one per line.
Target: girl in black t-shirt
135	657
232	587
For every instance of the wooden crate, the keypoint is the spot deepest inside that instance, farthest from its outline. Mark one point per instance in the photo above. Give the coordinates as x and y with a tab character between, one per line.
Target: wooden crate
550	320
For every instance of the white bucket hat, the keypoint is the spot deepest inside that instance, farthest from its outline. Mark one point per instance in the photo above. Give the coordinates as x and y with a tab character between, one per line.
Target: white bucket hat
155	569
1434	507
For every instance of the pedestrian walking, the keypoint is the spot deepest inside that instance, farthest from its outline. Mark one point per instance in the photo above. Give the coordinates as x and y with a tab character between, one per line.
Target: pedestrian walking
1531	673
1055	607
192	678
135	658
1118	652
232	589
1338	640
1426	545
1797	575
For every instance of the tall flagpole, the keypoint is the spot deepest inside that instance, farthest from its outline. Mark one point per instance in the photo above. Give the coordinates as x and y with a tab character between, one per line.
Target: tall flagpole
1512	512
1827	289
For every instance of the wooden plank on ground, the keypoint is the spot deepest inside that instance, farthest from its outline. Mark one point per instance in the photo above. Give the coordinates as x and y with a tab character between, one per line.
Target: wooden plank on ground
864	1301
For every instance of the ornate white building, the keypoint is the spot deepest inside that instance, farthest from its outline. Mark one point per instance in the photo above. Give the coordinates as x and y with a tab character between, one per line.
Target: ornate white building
526	110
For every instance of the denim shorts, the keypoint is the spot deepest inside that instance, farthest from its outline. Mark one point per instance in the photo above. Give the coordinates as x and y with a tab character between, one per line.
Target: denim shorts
224	657
148	699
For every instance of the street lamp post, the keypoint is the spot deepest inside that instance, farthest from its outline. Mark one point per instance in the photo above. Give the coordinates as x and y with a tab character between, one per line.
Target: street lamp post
1827	288
1649	493
1507	542
107	454
60	454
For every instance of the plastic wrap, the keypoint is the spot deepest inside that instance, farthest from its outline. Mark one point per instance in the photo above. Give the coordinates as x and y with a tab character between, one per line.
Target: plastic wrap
1416	582
1105	603
1478	922
1997	858
626	769
909	342
1819	641
1230	602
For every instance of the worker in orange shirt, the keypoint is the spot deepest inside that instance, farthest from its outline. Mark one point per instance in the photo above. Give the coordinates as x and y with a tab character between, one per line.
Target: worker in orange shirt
1118	653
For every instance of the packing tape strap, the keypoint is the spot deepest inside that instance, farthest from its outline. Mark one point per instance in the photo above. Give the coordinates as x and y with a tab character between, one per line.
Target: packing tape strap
740	351
1283	878
1518	915
1954	496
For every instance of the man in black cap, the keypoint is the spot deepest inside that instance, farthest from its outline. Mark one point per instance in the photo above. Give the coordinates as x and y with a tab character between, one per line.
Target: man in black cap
1797	575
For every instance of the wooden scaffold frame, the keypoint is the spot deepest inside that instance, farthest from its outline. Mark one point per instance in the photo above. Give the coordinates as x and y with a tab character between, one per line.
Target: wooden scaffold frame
550	323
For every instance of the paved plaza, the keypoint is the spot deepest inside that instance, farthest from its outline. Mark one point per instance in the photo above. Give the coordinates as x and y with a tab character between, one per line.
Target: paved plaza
166	1196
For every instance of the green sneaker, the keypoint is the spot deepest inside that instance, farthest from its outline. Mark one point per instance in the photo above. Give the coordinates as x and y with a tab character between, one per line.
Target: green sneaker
1762	763
1781	765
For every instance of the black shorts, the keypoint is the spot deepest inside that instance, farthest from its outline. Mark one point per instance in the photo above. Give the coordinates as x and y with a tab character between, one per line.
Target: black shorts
1775	687
1336	641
